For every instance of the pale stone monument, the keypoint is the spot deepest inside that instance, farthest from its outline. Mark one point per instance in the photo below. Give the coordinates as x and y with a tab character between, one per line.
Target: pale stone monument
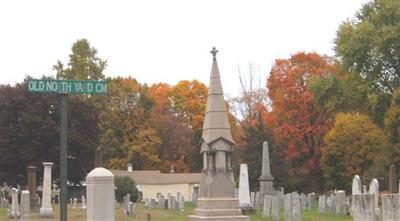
356	186
83	202
390	207
32	186
217	184
287	206
374	189
322	204
46	210
340	202
100	195
363	207
267	206
14	213
266	179
275	209
25	202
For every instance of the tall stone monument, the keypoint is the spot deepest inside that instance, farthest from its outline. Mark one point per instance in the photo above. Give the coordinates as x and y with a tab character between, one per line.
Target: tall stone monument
244	190
266	179
46	210
32	186
217	185
392	179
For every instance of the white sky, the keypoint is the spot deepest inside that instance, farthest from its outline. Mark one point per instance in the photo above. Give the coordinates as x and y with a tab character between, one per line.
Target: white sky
167	41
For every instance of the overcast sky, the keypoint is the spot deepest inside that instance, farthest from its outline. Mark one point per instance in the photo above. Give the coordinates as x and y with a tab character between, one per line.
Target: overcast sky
167	41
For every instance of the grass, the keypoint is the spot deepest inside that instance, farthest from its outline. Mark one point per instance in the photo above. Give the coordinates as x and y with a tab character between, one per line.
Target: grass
165	215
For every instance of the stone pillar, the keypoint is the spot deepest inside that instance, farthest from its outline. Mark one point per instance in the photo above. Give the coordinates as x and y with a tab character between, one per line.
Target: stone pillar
100	195
266	179
244	191
32	186
25	202
14	204
46	210
392	179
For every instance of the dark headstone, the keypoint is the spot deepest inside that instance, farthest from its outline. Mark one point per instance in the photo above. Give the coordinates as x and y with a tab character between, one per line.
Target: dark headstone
392	179
32	186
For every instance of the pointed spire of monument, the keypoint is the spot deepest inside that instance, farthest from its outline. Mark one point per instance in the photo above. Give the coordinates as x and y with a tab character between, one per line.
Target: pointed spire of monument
216	124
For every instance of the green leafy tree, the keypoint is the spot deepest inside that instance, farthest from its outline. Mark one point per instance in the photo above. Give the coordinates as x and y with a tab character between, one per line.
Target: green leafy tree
83	63
127	127
125	185
29	134
353	146
369	44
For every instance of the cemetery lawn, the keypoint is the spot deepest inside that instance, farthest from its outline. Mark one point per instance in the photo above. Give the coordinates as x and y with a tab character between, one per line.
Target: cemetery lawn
165	215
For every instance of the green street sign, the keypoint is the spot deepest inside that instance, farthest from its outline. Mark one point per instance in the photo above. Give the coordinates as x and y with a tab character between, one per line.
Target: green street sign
67	86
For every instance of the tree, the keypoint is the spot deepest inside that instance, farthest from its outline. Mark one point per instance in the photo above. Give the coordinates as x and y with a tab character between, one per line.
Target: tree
127	131
188	100
250	109
29	134
173	132
125	185
369	44
354	146
83	63
300	122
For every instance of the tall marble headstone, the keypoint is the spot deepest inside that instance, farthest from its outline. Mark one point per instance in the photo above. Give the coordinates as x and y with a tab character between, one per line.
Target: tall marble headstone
374	189
14	213
392	179
356	186
340	202
46	210
244	189
217	184
32	186
266	179
363	207
267	206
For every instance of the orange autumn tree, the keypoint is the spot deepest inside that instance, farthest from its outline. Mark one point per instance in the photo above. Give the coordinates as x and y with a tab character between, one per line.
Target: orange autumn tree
174	134
300	122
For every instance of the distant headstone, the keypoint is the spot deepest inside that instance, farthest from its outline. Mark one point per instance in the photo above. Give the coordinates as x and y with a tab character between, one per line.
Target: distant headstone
390	207
296	207
75	203
195	194
374	189
287	207
340	202
356	186
25	202
266	179
253	199
46	211
275	209
32	186
322	204
161	201
257	200
245	202
83	202
100	195
14	213
363	207
392	179
267	206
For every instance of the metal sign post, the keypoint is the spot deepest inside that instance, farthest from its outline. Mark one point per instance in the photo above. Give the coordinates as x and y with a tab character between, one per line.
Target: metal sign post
65	87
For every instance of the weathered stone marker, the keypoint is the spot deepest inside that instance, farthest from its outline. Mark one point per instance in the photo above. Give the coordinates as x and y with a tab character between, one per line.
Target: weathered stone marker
46	210
32	186
390	207
392	179
100	195
25	202
217	185
266	179
356	186
14	213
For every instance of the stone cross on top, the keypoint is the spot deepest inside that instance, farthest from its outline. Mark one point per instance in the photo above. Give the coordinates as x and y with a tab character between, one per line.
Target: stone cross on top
214	52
